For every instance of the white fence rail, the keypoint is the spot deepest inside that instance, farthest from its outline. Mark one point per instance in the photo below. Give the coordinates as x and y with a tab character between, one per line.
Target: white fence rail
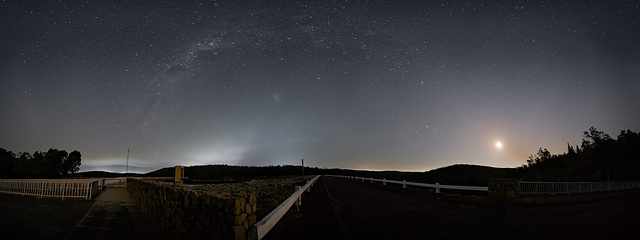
404	183
113	183
65	188
262	227
574	187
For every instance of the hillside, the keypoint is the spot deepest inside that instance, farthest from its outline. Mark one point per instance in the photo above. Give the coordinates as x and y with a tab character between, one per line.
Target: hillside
598	158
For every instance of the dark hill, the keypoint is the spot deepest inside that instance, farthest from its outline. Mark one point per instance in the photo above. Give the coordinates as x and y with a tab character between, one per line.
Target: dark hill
103	174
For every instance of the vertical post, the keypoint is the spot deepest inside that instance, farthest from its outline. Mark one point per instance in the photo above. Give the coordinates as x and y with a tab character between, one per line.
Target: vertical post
404	183
384	182
303	171
437	187
371	179
299	200
127	170
178	175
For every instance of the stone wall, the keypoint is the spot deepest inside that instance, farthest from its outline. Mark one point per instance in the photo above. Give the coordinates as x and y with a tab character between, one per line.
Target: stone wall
185	213
504	188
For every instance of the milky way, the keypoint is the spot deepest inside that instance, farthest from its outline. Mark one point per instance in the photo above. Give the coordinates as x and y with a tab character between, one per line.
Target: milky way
406	85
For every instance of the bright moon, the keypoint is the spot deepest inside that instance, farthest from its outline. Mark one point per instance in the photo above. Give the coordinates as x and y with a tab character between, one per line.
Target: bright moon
498	144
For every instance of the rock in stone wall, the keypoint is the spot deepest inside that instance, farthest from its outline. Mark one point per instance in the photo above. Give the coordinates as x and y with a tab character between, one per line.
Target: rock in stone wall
504	188
185	213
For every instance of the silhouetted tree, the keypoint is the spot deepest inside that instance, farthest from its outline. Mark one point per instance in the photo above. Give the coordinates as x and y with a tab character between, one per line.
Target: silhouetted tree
594	137
53	163
23	163
7	163
540	157
570	149
54	160
599	158
71	165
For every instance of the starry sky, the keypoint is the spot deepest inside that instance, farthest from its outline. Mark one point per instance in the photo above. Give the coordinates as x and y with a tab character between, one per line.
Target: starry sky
378	85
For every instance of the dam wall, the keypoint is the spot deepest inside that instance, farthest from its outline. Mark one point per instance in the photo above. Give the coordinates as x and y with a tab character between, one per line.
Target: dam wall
185	213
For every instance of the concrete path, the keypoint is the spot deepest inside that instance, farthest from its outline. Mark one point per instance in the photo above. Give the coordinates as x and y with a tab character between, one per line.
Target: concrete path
30	217
115	215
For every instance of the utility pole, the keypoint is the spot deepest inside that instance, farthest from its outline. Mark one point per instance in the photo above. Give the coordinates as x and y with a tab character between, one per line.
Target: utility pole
127	171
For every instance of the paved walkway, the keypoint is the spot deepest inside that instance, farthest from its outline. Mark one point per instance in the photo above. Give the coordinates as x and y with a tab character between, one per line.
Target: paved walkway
30	217
115	215
343	209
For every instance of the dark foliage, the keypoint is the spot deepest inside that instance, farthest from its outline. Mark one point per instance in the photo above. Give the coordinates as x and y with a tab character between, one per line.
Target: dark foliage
52	164
598	158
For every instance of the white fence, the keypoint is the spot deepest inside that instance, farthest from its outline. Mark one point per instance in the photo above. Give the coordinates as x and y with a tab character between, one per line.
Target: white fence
574	187
65	188
262	227
404	183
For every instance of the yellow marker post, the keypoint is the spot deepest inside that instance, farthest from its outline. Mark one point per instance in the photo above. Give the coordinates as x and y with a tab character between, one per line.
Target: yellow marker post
178	176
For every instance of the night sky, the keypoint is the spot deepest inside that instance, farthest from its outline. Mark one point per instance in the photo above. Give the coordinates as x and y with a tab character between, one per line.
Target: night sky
379	85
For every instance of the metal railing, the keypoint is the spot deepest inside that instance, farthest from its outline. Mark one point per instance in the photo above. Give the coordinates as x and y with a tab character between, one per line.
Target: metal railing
527	187
404	183
65	188
113	183
262	227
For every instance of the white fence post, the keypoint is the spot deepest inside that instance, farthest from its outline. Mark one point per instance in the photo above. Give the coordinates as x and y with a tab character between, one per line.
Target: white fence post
384	182
371	179
299	200
437	187
404	183
580	188
262	227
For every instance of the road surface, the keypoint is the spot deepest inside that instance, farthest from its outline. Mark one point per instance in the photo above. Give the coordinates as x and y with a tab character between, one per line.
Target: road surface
347	209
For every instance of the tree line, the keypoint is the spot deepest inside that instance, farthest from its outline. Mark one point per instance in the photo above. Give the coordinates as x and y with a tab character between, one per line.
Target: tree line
598	158
50	164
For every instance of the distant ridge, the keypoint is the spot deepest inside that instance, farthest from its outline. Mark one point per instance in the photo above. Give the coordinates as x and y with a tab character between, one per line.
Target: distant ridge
599	158
94	174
